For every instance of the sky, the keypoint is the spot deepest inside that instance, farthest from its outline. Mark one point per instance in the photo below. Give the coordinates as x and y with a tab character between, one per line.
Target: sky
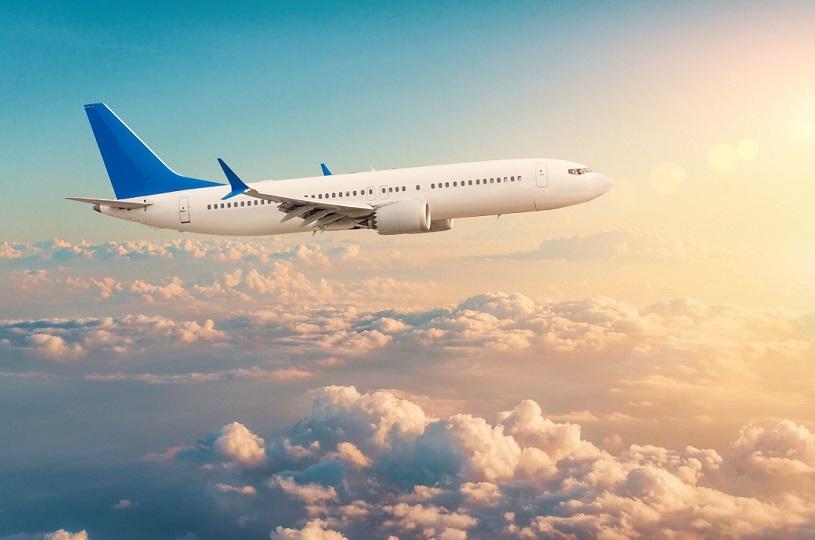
639	365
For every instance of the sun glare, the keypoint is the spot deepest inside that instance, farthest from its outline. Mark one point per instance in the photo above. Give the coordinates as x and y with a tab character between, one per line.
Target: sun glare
747	149
722	158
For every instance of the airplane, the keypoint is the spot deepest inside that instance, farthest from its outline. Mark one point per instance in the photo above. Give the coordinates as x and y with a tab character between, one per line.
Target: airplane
390	202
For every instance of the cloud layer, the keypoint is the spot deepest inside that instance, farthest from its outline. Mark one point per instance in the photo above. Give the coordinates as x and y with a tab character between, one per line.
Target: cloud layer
372	464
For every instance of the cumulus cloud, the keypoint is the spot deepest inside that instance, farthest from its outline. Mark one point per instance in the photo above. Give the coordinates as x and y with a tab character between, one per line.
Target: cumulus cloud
52	347
410	475
239	445
65	535
787	449
66	339
313	530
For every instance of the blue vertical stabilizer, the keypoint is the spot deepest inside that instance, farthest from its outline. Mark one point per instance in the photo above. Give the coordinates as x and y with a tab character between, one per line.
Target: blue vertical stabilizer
134	170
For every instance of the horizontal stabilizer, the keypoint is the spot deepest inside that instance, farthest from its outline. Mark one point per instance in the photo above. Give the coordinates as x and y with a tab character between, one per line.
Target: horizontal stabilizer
112	203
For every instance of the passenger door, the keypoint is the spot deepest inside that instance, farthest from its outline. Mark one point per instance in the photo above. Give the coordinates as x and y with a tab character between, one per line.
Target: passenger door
184	209
542	175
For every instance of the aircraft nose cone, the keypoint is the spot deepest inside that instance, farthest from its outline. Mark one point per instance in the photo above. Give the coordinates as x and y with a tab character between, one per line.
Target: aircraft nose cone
600	184
604	184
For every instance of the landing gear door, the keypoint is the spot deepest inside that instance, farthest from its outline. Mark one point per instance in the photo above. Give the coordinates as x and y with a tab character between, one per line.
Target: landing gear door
542	175
184	209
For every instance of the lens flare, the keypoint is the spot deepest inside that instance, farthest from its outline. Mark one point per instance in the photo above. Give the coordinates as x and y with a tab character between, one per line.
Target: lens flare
722	158
747	149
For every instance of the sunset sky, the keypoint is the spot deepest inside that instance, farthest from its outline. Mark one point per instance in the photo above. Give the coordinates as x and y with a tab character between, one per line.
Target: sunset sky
643	364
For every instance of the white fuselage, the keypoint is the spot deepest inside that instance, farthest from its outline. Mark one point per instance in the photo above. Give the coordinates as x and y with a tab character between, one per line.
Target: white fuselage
451	191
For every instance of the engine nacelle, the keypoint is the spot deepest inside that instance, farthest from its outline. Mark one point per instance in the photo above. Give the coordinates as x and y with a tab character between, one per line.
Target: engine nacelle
438	225
403	217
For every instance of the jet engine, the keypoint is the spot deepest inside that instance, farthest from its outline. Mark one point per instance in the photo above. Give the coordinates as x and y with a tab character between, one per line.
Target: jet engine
438	225
403	217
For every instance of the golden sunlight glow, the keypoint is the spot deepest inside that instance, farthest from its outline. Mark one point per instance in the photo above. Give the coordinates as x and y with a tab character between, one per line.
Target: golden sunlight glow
666	177
747	149
801	130
722	158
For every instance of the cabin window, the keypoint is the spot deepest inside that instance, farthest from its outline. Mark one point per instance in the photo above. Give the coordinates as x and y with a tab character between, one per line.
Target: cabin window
432	186
447	184
321	195
417	187
384	190
209	207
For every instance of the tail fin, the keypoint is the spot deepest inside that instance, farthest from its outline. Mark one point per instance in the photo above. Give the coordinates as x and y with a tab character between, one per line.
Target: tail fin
133	168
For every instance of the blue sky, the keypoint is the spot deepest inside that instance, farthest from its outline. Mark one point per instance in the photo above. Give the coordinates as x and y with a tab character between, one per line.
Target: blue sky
453	385
276	88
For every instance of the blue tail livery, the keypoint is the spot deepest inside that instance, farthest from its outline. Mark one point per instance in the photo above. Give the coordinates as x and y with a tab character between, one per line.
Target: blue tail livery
134	170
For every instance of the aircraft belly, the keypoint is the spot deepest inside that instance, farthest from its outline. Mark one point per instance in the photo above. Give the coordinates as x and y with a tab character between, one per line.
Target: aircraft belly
483	207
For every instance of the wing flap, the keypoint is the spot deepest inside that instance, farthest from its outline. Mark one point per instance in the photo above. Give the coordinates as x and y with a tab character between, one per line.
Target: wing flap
316	213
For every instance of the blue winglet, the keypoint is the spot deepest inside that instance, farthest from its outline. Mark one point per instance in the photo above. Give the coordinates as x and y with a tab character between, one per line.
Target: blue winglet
238	186
326	172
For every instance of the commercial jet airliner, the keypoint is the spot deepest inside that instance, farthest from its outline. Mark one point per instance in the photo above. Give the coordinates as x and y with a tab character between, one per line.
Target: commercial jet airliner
395	201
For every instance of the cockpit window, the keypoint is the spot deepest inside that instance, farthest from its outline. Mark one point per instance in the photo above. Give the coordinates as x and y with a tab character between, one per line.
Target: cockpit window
579	171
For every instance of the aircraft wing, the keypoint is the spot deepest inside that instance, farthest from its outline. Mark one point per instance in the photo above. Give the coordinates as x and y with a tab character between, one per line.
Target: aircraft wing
317	214
113	203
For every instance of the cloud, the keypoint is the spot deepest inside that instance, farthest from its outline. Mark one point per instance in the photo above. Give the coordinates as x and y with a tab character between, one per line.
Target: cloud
60	534
52	347
410	475
313	530
784	450
9	251
65	535
122	505
69	339
239	445
241	490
